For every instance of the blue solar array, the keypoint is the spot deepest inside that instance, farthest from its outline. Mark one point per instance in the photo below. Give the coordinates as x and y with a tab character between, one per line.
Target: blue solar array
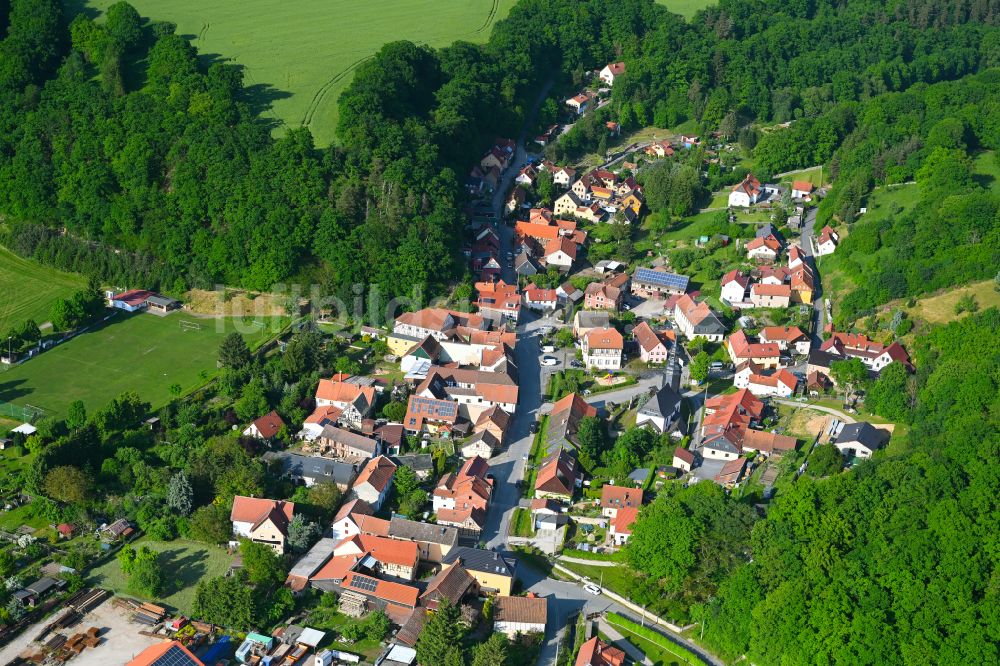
364	583
670	280
174	656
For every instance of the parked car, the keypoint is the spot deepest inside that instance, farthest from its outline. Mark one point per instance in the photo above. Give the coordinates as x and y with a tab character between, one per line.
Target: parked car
592	589
533	427
576	364
550	360
548	349
715	365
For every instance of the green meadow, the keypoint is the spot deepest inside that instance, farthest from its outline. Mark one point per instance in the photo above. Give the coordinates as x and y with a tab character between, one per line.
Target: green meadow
28	289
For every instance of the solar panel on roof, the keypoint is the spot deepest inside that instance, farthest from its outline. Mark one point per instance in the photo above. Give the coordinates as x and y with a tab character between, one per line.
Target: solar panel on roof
174	656
665	279
364	583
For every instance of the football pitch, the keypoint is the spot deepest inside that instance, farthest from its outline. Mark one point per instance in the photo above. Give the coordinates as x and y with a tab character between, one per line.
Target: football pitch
28	289
130	352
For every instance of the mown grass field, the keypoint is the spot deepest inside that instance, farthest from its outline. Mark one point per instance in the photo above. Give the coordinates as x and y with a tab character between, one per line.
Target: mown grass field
184	563
685	8
940	308
299	56
28	289
140	352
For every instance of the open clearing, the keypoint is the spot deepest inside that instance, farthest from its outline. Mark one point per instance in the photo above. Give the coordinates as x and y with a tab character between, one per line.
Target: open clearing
940	308
300	55
139	352
28	289
185	563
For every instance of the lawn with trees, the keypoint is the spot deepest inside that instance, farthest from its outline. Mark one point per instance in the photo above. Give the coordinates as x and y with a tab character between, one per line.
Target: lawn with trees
28	289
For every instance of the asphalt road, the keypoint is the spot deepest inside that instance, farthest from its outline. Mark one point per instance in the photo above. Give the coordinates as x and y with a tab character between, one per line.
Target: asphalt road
806	242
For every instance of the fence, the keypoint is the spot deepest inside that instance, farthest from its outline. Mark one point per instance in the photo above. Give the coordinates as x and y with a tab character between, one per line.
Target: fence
26	414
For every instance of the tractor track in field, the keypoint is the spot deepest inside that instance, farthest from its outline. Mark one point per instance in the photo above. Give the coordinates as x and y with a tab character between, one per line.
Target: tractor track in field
489	19
202	32
320	94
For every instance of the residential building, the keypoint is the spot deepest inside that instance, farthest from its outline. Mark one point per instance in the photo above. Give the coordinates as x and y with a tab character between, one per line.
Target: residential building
697	320
602	348
788	338
578	103
452	585
826	242
561	253
620	528
564	421
557	476
563	176
746	193
614	498
596	652
780	384
353	402
660	148
433	541
394	558
683	459
801	189
766	355
482	444
770	295
396	599
520	615
493	571
661	411
860	440
658	283
735	287
796	257
653	345
350	446
262	520
474	391
167	652
462	498
764	249
543	300
374	481
499	300
314	469
437	322
726	418
602	296
266	427
547	514
584	322
436	416
612	71
874	355
732	473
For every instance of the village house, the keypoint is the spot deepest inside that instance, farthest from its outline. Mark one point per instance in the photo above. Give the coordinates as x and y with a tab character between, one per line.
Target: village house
394	558
612	71
494	572
602	349
578	103
602	296
436	416
727	432
453	585
746	193
802	284
735	287
334	442
474	391
596	652
683	459
520	615
585	321
826	242
780	384
542	300
515	200
770	295
557	476
262	521
661	411
660	149
563	176
658	283
788	338
266	427
764	249
796	257
499	300
732	473
311	470
440	323
547	514
560	252
527	176
801	189
653	345
614	498
620	528
766	355
874	355
860	440
495	421
697	320
564	421
339	400
374	481
462	498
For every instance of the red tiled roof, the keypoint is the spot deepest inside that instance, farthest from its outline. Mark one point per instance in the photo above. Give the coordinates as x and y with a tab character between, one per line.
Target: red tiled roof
771	290
395	593
802	185
269	425
685	455
605	338
624	519
786	333
378	473
133	297
614	497
254	509
768	241
153	653
647	338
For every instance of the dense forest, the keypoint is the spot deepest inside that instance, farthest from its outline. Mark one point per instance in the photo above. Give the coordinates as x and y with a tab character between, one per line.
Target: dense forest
893	562
155	163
